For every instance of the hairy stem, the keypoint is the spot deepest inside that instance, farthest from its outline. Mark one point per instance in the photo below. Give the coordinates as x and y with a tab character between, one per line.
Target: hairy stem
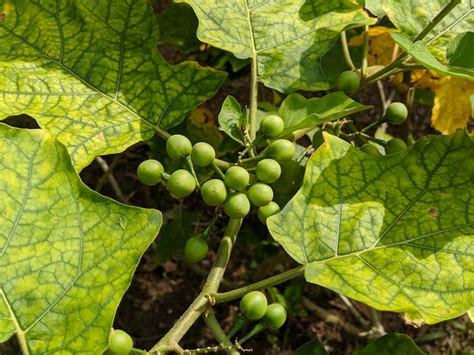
271	281
189	317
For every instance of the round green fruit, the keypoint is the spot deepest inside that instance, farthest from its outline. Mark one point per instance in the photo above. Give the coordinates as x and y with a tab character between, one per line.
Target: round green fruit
120	343
237	205
260	194
268	170
370	149
348	81
275	316
214	192
272	126
396	113
203	154
266	211
149	172
181	183
178	146
282	150
254	305
195	249
237	178
395	145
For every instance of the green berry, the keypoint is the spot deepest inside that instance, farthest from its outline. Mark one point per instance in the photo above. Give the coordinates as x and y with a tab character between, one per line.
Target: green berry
318	139
266	211
178	147
348	81
260	194
120	343
149	172
272	126
275	316
195	249
203	154
237	205
181	183
268	170
396	113
370	149
214	192
395	145
282	150
237	178
254	305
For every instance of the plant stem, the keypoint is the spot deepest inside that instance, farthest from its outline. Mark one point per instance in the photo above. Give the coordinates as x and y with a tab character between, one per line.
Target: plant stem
218	170
189	317
271	281
252	159
214	326
162	133
253	98
222	164
365	52
346	52
189	162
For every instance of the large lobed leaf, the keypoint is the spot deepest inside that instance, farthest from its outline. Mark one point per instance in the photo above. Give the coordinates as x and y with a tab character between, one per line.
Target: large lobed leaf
67	254
412	16
395	232
286	38
90	73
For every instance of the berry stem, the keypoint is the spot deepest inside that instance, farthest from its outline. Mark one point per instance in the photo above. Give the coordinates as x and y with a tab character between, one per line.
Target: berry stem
365	53
216	168
212	323
265	283
189	162
255	330
346	52
239	324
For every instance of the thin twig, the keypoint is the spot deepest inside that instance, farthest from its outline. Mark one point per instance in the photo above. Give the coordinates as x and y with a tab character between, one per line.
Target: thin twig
346	52
113	182
362	321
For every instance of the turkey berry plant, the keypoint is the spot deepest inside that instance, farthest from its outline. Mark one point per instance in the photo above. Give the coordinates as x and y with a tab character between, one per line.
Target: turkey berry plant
359	205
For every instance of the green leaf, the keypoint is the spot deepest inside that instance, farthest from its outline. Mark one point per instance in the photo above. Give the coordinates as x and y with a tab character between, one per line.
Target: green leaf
420	52
375	7
460	51
67	254
412	17
392	344
90	73
389	231
232	119
313	347
178	26
299	112
286	39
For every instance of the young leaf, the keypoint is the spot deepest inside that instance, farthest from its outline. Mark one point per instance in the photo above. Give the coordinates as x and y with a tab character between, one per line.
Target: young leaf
299	112
412	19
391	344
286	39
90	73
67	254
420	52
313	347
232	119
389	231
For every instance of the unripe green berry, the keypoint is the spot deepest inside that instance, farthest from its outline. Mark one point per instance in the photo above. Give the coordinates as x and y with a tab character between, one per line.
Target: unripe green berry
120	343
178	146
181	183
272	126
266	211
253	305
275	316
348	81
237	178
260	194
237	205
370	149
395	145
214	192
195	249
268	170
149	172
203	154
282	150
396	113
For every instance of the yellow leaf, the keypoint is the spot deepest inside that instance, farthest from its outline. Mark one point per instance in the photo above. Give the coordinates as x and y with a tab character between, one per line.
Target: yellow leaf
381	45
452	107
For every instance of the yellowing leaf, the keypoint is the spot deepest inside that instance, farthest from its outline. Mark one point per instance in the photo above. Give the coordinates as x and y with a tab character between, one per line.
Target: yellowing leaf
452	107
201	126
380	45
